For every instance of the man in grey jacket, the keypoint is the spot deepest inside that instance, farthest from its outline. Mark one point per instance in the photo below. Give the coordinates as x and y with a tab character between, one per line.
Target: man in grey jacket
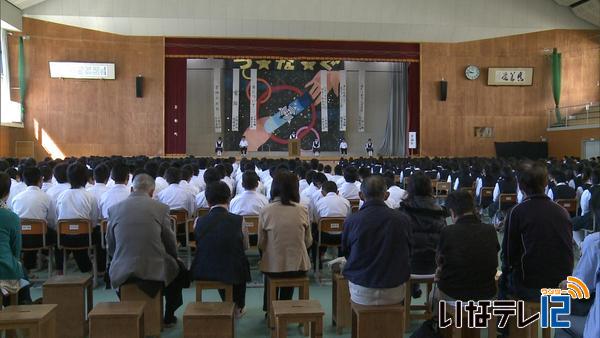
143	246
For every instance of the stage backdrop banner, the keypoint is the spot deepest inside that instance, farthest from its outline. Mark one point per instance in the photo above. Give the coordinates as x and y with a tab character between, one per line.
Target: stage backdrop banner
235	101
361	101
281	97
324	91
342	100
217	99
253	79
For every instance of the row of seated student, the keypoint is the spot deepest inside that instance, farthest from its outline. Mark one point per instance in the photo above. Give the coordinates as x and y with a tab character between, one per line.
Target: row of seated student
409	239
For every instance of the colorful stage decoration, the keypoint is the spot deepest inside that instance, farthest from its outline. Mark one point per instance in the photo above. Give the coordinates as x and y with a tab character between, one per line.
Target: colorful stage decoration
217	99
361	101
280	98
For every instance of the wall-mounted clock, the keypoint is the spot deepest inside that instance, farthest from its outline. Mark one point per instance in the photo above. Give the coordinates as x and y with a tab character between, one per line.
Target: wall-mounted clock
472	72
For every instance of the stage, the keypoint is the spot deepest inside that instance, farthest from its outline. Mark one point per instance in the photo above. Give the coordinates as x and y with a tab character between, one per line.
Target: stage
305	155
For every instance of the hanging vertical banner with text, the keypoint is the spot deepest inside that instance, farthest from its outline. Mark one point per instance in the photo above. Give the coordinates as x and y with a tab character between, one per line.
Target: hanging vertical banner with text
342	100
324	117
253	76
235	101
361	101
217	99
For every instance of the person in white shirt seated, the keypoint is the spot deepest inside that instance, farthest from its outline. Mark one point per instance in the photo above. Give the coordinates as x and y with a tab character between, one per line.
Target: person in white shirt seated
327	172
239	188
17	186
186	178
46	177
226	173
197	181
33	203
397	194
160	182
62	184
119	191
243	146
338	175
250	202
100	178
175	196
211	175
318	180
348	189
331	205
77	203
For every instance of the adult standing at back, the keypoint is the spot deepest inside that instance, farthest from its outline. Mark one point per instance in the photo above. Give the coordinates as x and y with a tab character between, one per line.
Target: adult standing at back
376	242
284	234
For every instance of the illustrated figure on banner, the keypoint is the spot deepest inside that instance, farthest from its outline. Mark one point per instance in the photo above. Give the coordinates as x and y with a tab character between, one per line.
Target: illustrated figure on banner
219	146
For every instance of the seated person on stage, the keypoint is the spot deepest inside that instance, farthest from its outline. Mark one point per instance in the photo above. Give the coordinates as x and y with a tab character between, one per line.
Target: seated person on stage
331	205
80	204
47	177
343	147
428	219
467	255
243	146
316	147
62	182
100	179
250	202
143	247
221	240
118	192
590	205
175	196
376	242
11	271
537	249
585	312
33	203
211	175
560	190
284	234
187	172
348	189
219	146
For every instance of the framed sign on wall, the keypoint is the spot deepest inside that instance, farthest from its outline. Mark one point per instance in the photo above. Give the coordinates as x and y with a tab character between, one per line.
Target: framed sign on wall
82	70
510	76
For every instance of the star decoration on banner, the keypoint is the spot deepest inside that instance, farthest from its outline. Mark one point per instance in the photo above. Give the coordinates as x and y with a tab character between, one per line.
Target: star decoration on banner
263	64
308	65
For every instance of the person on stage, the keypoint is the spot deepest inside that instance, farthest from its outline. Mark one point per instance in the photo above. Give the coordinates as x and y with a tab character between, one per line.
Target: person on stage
219	146
369	148
293	135
243	146
316	147
343	147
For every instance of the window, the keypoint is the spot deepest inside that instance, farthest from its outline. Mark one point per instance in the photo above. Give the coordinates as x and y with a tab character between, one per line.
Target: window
10	111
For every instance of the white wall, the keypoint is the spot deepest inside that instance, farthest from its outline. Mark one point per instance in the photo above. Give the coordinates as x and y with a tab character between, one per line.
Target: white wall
11	16
381	20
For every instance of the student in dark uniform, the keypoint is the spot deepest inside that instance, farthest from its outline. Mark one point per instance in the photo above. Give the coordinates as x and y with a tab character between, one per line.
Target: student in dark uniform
560	189
316	147
243	146
219	147
507	184
293	135
369	148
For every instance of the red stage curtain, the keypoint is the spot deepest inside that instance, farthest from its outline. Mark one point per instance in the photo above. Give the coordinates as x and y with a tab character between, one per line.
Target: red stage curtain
175	102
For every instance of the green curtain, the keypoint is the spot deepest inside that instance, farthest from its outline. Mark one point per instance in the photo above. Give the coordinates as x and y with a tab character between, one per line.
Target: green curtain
556	70
22	80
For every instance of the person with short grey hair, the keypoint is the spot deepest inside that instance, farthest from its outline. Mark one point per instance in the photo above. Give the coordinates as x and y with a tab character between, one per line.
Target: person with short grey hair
143	247
376	241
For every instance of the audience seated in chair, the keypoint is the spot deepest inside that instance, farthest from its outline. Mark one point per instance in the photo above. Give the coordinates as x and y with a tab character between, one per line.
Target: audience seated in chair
118	192
377	245
143	248
211	175
249	202
221	240
175	196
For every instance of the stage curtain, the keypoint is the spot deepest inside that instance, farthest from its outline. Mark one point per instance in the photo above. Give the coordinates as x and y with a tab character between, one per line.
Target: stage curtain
394	140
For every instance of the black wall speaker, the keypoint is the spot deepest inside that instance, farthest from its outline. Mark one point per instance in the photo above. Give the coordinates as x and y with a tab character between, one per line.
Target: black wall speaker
139	86
443	90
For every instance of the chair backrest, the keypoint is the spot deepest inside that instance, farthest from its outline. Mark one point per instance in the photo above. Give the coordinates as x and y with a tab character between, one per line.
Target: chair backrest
442	188
469	190
354	204
181	215
73	227
487	192
569	204
251	224
103	226
507	200
191	223
331	224
434	184
202	211
406	181
396	179
34	227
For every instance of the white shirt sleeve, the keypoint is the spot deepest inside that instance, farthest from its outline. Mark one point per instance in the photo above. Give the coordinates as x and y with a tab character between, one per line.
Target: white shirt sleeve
550	194
479	185
456	184
496	193
585	201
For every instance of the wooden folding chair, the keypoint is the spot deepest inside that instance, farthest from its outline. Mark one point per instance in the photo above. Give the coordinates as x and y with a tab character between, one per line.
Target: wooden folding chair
442	189
354	204
103	232
570	205
74	227
37	227
190	239
202	212
251	224
507	201
331	225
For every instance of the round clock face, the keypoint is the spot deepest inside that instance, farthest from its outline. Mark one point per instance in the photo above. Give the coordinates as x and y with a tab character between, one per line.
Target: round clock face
472	72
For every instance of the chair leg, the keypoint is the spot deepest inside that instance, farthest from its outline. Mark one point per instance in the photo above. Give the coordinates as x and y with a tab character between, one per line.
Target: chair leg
65	262
50	257
92	253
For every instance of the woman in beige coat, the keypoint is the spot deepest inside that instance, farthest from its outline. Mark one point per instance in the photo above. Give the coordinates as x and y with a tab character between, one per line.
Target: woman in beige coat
284	234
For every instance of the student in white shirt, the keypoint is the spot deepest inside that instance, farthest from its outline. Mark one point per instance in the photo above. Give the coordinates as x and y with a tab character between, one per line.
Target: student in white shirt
397	194
175	196
62	184
119	191
343	147
186	178
33	203
78	203
239	188
226	171
250	202
46	177
211	175
243	146
17	186
100	178
160	183
338	175
349	190
197	181
318	180
301	173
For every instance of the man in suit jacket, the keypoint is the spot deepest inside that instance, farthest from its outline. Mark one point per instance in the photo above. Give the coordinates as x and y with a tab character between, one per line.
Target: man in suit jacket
143	246
221	241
